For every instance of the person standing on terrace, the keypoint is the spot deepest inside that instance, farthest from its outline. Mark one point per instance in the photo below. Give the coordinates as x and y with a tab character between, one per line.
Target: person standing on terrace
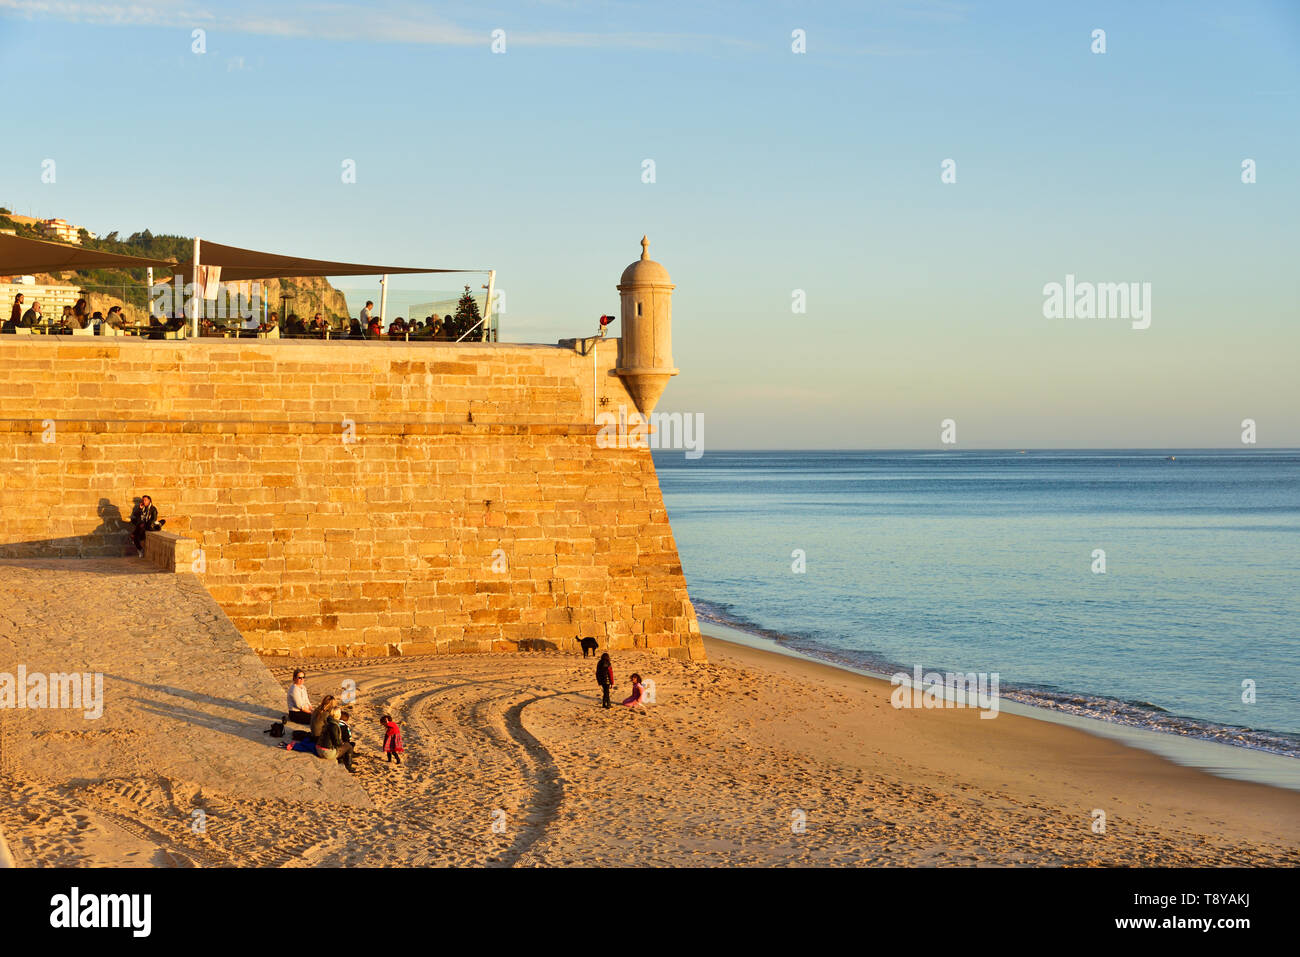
365	313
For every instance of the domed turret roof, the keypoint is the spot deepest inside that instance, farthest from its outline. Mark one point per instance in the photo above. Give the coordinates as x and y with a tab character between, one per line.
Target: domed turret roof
645	271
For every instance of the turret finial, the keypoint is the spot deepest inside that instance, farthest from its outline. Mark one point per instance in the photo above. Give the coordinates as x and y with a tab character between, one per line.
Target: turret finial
645	248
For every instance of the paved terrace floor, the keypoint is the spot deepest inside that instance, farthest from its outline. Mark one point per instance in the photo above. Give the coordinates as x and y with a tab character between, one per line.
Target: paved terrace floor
185	704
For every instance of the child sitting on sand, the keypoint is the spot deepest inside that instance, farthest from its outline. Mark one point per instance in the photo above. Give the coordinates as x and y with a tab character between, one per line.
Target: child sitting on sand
637	692
392	740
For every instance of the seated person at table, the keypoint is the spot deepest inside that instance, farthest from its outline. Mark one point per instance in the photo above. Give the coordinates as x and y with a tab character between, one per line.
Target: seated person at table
319	326
115	318
397	327
32	317
81	314
159	326
294	326
375	330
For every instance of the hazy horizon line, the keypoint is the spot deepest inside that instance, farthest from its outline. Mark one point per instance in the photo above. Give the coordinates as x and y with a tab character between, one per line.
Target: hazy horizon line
1015	450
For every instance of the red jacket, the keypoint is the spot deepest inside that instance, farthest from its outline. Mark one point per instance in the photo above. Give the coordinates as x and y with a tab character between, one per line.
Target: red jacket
392	738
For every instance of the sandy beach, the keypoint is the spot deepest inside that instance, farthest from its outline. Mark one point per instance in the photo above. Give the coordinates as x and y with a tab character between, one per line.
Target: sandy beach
751	759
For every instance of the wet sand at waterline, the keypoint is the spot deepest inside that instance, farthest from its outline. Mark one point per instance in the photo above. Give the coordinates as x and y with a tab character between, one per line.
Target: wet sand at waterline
754	758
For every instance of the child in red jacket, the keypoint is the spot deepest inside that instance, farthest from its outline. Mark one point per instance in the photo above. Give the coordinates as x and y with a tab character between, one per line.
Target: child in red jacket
392	740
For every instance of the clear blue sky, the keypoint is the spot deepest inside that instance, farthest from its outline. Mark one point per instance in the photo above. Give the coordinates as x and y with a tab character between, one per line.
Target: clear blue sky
775	172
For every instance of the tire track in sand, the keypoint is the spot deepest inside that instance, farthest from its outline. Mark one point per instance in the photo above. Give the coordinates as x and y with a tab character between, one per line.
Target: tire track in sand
493	722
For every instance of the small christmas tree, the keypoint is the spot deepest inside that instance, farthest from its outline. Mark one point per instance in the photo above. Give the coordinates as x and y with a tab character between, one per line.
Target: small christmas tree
467	315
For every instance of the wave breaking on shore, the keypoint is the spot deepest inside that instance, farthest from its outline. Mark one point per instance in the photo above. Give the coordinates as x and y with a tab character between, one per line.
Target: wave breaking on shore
1143	715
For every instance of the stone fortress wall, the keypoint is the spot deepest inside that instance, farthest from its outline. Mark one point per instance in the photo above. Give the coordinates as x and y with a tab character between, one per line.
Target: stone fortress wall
360	498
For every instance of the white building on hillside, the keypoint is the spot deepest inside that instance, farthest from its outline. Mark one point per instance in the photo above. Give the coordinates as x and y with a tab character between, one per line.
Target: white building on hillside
63	231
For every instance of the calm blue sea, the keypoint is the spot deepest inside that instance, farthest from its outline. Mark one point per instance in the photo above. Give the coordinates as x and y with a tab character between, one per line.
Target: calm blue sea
983	561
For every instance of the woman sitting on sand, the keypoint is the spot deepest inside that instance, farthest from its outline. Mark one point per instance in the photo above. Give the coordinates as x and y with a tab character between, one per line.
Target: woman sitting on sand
330	744
298	700
319	716
637	692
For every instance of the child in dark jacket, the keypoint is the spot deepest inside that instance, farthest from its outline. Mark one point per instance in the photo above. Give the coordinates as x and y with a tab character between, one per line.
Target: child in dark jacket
605	677
392	740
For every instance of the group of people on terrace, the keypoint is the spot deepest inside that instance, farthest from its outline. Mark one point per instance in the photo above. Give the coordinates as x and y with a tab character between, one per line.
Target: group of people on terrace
365	326
79	319
75	318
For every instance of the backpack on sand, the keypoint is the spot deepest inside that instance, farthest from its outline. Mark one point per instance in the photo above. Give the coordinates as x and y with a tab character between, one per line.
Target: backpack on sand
276	730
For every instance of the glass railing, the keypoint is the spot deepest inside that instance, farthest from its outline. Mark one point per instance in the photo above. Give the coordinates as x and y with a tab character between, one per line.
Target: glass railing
125	310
